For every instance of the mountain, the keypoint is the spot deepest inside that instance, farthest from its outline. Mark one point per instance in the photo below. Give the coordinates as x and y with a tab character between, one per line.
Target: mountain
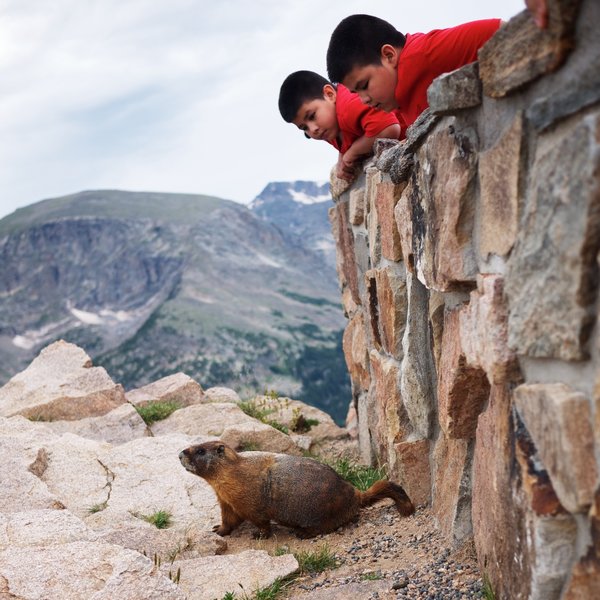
299	209
150	284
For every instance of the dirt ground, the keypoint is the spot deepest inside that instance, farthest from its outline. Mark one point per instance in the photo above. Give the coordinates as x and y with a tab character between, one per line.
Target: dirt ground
382	556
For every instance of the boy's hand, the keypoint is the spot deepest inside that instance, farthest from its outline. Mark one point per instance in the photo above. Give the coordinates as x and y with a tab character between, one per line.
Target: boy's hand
346	167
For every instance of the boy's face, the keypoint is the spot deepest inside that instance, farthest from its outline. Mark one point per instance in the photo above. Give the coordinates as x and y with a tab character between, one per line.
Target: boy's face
317	117
376	83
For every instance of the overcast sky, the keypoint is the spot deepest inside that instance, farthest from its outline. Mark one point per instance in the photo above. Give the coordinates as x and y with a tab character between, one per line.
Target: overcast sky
171	95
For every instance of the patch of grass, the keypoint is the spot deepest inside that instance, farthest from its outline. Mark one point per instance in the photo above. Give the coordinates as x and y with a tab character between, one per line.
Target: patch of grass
247	447
254	410
359	476
487	591
161	519
316	561
271	592
229	596
97	508
157	411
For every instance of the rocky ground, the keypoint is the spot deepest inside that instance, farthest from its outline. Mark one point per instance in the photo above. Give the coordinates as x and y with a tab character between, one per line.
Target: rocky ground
84	478
382	556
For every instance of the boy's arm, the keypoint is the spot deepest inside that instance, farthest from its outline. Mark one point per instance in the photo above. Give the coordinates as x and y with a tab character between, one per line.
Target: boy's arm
361	147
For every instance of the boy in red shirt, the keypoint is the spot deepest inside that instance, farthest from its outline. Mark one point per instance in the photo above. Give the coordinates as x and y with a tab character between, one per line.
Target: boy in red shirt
391	71
335	115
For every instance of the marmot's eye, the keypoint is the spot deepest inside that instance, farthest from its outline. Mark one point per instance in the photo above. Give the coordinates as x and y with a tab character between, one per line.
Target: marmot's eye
201	451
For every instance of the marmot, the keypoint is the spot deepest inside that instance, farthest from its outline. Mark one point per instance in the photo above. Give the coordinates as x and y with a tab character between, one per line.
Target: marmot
300	493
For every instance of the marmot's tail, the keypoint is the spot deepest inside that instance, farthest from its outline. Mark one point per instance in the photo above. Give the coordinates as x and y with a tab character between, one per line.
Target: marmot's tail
387	489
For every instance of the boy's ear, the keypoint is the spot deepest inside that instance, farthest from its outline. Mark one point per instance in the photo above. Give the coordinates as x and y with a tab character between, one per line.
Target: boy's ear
389	55
329	92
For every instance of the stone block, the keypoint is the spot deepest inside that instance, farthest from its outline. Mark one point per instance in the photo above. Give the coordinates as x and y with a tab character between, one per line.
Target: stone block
403	218
499	506
499	172
357	206
552	272
451	502
520	52
417	373
373	223
443	205
455	90
559	421
374	333
392	308
413	471
60	384
344	242
356	352
337	186
484	330
179	388
463	389
385	200
393	425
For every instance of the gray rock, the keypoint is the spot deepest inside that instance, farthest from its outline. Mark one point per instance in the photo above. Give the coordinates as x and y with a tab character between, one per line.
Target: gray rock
455	90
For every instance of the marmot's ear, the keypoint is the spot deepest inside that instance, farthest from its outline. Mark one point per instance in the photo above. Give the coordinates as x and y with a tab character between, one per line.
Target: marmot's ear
221	449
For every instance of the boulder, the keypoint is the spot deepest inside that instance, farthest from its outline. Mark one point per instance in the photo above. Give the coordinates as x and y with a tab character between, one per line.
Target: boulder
213	577
82	569
118	426
229	423
60	383
178	388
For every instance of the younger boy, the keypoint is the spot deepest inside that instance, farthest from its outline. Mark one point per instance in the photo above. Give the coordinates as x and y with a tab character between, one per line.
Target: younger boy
333	114
391	71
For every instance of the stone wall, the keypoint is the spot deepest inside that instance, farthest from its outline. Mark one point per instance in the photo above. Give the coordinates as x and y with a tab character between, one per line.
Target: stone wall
468	261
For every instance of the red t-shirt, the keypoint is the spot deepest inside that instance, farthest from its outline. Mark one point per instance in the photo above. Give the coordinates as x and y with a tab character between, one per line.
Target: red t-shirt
426	56
356	119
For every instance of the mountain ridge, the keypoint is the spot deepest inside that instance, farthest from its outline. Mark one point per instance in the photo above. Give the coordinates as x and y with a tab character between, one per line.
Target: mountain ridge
152	284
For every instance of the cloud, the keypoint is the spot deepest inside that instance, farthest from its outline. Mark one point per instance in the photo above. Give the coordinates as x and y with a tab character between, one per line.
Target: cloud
169	95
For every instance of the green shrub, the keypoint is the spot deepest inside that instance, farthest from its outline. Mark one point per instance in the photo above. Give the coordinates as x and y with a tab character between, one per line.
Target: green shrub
157	411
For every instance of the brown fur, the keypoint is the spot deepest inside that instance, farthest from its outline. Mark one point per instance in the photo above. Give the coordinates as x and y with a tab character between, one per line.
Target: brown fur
300	493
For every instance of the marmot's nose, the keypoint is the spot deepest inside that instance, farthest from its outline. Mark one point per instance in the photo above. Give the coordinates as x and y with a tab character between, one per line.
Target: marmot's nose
181	455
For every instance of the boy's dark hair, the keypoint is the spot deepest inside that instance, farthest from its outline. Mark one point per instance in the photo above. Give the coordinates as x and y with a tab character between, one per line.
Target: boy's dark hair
298	88
357	41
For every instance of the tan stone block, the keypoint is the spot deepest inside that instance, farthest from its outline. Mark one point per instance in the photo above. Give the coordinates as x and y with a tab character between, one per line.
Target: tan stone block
413	471
484	330
551	277
520	52
559	421
385	200
374	333
499	507
392	309
354	344
451	502
443	208
393	425
345	256
403	218
358	206
337	185
462	389
373	225
499	171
